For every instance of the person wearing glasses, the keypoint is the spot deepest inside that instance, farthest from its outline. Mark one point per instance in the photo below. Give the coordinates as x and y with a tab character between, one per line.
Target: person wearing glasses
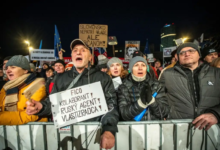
192	88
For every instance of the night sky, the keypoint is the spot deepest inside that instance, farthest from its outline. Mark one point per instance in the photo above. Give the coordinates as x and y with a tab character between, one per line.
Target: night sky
34	20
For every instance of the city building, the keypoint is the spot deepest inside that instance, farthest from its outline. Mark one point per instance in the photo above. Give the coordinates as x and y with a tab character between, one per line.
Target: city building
168	35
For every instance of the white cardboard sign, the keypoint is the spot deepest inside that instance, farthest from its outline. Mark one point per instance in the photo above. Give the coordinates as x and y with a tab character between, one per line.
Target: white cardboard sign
43	54
78	104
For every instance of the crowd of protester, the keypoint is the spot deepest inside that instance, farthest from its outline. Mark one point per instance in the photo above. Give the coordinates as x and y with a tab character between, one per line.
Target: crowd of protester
187	88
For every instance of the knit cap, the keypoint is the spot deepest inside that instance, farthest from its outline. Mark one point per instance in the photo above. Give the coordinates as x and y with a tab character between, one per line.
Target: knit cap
114	60
208	50
19	61
134	60
188	44
60	61
102	61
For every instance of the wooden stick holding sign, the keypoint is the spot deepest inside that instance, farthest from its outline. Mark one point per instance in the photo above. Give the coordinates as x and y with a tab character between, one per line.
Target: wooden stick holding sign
36	85
92	55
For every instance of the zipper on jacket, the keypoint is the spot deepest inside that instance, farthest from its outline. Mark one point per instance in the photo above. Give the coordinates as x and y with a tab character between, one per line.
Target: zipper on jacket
193	102
195	97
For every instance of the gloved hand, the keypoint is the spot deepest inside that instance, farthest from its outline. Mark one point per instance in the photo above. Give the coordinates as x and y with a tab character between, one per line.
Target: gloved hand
146	94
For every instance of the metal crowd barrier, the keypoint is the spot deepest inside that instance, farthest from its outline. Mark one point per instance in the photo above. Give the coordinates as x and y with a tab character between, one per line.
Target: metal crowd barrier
144	135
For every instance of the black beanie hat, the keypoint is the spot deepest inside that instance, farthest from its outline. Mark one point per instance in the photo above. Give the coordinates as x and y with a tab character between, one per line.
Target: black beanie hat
188	44
60	61
208	50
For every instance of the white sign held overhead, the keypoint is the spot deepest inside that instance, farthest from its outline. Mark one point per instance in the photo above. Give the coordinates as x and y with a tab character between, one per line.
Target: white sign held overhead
78	104
168	50
43	55
150	57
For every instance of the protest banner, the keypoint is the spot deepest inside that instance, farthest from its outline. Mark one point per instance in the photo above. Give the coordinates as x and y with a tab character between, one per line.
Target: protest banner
94	35
78	104
168	50
112	40
130	48
43	55
150	57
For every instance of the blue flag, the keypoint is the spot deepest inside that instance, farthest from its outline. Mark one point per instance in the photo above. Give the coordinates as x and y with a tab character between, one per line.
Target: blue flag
57	42
146	50
40	44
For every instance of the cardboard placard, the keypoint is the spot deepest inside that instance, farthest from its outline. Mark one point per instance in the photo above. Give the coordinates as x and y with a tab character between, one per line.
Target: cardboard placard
94	35
78	104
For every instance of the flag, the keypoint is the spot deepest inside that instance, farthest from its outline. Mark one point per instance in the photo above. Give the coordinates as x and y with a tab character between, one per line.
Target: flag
57	42
99	51
40	44
146	50
201	38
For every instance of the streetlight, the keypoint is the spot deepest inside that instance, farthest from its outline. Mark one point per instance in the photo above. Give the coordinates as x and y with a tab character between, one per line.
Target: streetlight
184	39
31	48
27	42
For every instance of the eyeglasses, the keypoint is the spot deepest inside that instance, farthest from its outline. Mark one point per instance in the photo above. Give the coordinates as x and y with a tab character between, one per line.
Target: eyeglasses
191	51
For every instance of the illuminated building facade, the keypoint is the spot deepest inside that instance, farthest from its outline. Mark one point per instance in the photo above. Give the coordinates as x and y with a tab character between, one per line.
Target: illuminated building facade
168	34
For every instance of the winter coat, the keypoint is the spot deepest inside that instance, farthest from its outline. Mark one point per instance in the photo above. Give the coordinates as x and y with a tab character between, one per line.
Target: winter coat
129	95
20	117
62	81
181	93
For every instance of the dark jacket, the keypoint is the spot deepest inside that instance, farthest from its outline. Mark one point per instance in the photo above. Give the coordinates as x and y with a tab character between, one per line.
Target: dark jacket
62	81
129	95
190	97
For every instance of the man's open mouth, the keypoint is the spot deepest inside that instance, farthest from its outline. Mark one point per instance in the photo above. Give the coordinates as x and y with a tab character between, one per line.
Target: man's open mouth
78	59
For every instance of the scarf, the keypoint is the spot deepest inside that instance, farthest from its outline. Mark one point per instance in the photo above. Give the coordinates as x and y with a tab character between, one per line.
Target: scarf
138	79
12	88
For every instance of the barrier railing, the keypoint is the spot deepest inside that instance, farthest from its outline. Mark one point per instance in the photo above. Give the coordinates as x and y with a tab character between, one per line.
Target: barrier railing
144	135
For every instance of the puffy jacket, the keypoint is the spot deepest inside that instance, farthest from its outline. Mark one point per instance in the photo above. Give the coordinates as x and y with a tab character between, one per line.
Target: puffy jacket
129	94
62	81
180	94
20	117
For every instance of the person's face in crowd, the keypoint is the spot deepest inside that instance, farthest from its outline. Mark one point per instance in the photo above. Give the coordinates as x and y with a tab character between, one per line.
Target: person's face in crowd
157	64
115	69
139	69
45	66
81	56
49	73
131	50
14	72
188	57
32	70
104	70
1	73
210	57
4	63
59	68
53	67
39	70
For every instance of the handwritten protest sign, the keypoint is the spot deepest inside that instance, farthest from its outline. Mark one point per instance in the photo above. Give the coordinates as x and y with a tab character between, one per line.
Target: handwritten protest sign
78	104
94	35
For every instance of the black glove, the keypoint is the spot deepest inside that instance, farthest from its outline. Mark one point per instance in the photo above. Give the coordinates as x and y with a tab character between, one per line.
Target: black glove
146	94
